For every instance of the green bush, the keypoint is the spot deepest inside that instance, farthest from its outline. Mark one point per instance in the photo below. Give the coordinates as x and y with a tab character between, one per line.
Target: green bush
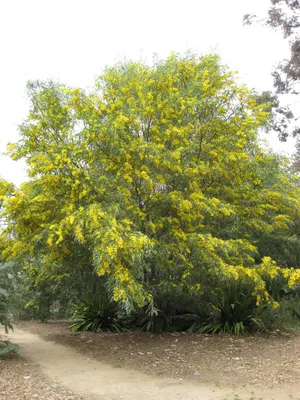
3	314
37	293
95	313
284	318
4	285
8	350
284	250
172	310
152	319
232	310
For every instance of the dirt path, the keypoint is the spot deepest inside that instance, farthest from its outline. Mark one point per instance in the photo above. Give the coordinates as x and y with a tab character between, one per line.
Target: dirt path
102	381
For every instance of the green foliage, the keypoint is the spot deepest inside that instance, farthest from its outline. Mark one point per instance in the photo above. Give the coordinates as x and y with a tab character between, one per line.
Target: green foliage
168	311
278	288
155	179
284	250
44	293
284	318
152	320
8	350
4	286
96	314
232	310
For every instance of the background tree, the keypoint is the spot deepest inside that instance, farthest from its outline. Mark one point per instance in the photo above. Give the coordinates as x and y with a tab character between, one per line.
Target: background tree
284	15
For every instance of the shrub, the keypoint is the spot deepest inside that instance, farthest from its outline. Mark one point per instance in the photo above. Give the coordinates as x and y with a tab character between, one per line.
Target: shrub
7	349
172	310
284	250
151	318
232	310
284	318
95	313
4	283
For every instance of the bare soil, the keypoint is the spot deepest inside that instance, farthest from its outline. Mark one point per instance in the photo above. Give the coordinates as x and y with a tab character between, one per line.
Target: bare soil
138	366
21	379
266	361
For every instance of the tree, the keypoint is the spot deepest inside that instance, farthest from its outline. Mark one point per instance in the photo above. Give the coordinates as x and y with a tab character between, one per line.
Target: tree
296	158
284	15
154	179
4	283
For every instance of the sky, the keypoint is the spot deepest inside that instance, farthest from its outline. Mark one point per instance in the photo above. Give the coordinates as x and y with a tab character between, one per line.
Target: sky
72	41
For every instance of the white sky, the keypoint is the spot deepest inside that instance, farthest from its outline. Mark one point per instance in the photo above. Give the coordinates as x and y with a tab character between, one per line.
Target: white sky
72	40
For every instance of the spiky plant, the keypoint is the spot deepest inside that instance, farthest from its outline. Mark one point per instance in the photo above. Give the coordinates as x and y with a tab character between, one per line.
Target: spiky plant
95	312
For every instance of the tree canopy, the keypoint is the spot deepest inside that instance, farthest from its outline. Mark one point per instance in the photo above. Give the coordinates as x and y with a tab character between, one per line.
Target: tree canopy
154	178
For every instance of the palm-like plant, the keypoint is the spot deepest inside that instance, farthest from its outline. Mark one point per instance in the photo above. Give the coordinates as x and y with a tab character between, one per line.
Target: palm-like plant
95	313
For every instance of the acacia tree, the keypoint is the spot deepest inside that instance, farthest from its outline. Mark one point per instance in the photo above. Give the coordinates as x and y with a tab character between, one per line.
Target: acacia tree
155	179
5	189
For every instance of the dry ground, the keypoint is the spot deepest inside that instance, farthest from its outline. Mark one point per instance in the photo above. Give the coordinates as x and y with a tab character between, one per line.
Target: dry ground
252	362
21	379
